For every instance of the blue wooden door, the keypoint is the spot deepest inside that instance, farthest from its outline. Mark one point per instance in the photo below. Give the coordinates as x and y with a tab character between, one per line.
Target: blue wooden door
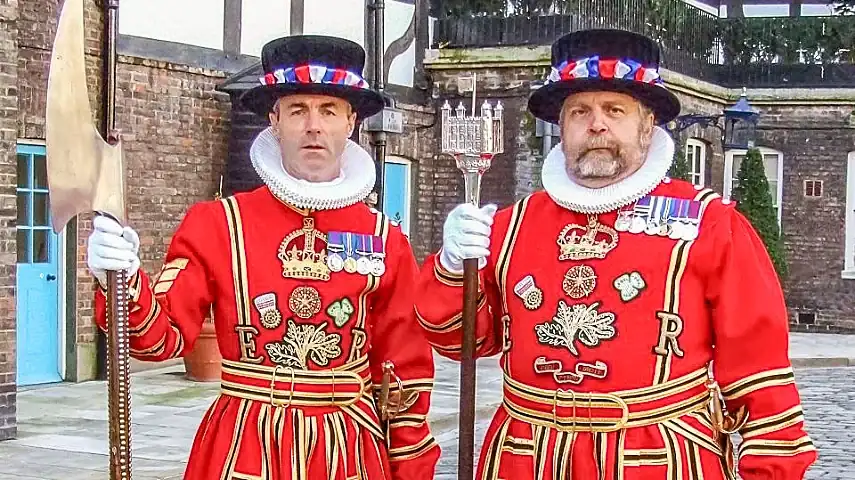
37	286
396	192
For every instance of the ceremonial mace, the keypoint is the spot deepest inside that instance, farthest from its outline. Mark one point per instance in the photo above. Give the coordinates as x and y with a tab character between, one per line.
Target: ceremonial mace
86	174
472	141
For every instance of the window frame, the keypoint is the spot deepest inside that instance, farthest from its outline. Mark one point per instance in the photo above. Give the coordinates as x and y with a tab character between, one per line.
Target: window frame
700	145
729	174
849	241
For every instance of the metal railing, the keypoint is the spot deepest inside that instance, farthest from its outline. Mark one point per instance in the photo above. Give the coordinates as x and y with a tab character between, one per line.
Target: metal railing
780	51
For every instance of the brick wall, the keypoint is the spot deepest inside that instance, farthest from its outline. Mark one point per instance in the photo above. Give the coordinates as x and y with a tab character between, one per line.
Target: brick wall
8	212
175	131
815	142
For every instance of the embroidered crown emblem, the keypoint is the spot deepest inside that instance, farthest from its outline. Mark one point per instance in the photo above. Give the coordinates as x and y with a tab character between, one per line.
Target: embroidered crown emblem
305	263
580	243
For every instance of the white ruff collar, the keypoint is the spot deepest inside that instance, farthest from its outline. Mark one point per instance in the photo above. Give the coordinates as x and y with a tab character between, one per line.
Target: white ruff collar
352	186
577	198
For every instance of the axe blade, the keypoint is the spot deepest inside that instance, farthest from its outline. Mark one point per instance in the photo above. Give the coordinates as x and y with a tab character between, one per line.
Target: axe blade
85	173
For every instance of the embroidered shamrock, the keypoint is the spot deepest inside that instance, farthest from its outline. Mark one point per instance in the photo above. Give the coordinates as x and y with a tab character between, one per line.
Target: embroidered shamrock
340	311
629	285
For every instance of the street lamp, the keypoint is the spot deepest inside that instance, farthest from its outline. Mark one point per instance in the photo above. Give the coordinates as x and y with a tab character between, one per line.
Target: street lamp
740	124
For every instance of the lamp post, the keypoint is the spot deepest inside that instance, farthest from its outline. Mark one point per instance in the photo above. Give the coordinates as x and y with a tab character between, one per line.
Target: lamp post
740	124
390	120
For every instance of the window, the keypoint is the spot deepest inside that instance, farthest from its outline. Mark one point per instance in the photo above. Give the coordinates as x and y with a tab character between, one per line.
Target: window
773	164
696	158
849	252
813	188
33	223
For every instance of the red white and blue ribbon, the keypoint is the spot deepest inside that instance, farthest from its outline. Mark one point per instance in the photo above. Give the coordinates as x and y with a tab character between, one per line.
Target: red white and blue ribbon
314	74
604	68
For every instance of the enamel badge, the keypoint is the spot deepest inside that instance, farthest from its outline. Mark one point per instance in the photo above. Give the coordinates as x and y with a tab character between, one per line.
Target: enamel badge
266	306
529	293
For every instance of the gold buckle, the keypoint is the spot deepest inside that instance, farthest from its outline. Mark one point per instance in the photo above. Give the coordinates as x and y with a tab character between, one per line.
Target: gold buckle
619	423
273	400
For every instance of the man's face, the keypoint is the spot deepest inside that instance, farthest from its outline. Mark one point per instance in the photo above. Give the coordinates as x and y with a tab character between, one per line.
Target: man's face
313	131
605	137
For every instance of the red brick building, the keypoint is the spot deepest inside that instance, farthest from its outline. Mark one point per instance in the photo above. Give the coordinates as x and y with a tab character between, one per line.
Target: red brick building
176	135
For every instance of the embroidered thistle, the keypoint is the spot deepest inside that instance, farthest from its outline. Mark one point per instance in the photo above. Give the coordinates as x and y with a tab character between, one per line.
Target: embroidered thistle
305	342
577	322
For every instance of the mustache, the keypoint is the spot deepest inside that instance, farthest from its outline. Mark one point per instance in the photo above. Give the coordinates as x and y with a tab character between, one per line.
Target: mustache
600	142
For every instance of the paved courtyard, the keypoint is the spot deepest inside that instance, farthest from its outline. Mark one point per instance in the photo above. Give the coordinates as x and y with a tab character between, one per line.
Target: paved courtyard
63	428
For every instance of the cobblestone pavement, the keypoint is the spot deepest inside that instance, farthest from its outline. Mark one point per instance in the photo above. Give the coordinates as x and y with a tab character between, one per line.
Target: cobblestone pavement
62	428
828	399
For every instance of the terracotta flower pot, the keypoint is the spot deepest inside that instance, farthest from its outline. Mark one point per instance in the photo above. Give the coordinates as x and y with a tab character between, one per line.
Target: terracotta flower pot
202	364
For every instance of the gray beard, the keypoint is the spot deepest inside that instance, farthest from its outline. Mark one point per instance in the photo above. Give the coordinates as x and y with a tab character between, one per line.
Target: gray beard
598	167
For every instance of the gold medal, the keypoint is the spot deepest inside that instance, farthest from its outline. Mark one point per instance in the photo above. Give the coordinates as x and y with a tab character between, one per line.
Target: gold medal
350	265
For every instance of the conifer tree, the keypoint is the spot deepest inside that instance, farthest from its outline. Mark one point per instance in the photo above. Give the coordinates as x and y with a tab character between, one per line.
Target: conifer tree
754	200
680	168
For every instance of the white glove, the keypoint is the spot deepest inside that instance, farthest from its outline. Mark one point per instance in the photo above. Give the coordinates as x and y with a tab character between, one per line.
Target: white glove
466	234
111	247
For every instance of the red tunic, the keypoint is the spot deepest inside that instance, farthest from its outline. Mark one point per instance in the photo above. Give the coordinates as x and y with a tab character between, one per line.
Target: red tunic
303	345
605	338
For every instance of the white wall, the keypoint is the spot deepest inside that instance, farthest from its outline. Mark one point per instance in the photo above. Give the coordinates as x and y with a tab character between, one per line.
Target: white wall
781	10
262	21
346	19
195	22
200	22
